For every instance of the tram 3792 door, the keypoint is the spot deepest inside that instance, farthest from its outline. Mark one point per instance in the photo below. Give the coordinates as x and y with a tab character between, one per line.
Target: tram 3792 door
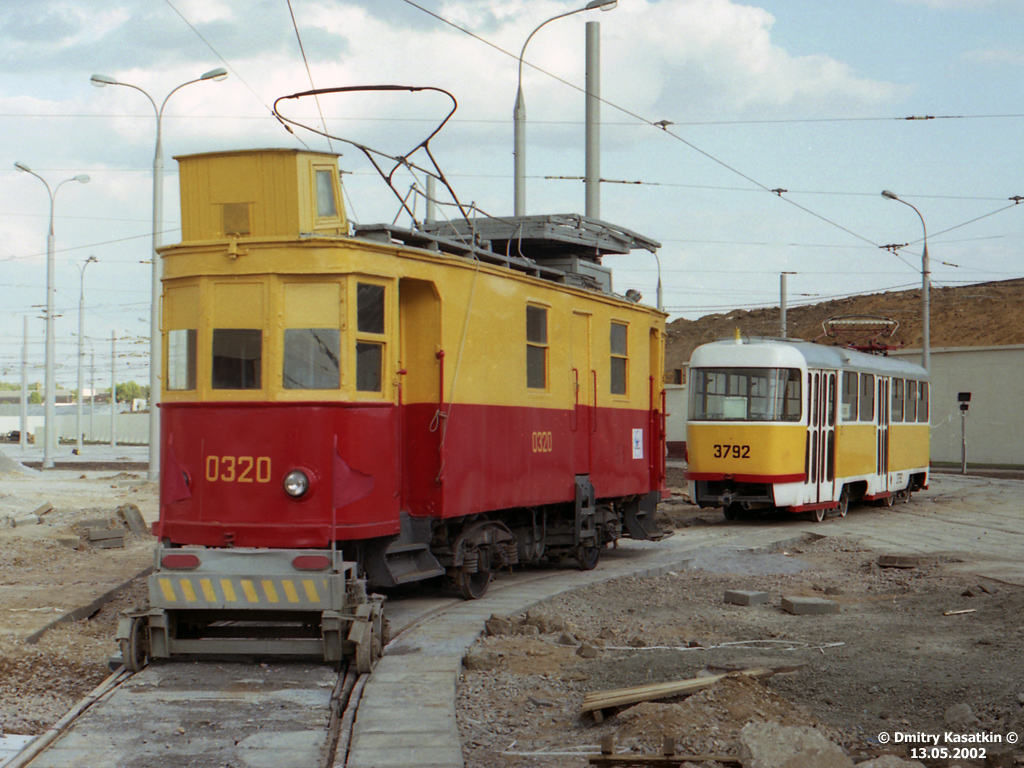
821	436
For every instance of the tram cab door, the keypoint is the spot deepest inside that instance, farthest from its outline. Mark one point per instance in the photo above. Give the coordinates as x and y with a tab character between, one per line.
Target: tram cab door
584	387
821	435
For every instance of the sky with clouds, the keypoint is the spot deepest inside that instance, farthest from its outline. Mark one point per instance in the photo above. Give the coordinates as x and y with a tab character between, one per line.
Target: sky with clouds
787	120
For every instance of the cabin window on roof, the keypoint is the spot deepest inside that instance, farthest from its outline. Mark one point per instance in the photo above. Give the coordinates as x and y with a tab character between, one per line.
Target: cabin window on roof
326	203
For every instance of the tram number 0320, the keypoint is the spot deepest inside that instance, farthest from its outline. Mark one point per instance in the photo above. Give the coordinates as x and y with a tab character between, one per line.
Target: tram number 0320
732	452
543	442
238	469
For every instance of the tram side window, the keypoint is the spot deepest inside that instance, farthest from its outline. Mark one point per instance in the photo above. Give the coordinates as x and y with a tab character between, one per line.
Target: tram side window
237	358
922	407
369	350
867	397
850	396
311	358
619	358
911	400
896	408
181	359
536	347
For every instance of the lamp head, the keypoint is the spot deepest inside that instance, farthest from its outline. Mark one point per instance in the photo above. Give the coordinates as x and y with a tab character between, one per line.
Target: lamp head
888	194
101	80
604	5
215	74
82	178
23	167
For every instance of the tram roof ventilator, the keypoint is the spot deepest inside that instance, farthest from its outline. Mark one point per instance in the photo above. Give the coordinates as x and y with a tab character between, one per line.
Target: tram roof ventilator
560	247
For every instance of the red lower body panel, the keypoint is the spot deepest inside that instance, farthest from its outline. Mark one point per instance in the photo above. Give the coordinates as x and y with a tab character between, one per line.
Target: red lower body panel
224	466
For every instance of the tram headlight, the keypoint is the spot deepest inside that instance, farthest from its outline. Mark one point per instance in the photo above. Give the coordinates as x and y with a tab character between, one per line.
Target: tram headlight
296	483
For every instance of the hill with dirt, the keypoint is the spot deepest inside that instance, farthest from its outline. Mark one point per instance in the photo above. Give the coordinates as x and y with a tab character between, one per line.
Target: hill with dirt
978	315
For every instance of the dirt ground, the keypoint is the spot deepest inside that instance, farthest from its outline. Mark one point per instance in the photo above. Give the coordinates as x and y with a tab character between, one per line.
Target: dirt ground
48	569
890	660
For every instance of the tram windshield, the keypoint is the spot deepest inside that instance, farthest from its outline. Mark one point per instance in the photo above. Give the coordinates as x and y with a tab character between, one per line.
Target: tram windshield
745	394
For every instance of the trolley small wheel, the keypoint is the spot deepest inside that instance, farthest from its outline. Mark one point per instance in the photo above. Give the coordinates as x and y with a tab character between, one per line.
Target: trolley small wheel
587	557
135	648
368	651
472	586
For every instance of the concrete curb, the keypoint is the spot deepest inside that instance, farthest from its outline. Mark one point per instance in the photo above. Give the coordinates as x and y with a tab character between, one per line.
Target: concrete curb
86	610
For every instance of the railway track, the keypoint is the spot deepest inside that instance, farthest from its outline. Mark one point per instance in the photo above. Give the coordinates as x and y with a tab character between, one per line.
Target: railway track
227	713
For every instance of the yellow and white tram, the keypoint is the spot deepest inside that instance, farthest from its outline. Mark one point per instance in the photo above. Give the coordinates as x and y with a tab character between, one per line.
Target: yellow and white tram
782	424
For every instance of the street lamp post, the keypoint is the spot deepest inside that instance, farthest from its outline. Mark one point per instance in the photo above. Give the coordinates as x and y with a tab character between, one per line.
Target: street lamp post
50	410
81	315
926	350
519	111
155	352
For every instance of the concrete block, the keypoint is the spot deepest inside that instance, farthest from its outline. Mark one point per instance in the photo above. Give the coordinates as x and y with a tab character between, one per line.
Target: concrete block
809	606
904	561
745	597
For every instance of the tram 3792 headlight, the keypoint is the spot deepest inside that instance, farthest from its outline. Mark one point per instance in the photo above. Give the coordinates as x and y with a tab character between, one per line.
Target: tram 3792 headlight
296	483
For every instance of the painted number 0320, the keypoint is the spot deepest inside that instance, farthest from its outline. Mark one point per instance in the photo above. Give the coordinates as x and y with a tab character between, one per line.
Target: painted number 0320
732	451
238	469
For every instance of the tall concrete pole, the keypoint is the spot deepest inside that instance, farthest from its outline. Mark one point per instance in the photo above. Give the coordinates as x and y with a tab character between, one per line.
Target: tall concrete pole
113	389
81	316
782	304
23	440
592	176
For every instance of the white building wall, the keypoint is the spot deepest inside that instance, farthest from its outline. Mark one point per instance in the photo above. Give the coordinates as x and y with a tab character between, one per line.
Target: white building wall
995	420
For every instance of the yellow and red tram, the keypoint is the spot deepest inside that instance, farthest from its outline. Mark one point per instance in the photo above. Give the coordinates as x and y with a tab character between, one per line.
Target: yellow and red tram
388	404
783	424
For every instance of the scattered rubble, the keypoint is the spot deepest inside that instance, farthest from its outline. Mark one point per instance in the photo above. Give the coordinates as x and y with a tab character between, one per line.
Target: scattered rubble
887	661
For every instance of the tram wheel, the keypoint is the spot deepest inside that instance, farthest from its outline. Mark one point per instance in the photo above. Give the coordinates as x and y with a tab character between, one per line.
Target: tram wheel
587	557
844	502
732	511
818	515
135	648
473	586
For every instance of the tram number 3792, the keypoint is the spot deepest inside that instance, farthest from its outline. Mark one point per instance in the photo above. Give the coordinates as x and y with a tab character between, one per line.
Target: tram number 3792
732	452
238	469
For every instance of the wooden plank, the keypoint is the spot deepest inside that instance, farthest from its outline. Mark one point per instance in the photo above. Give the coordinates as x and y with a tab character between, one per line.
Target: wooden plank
625	696
662	760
